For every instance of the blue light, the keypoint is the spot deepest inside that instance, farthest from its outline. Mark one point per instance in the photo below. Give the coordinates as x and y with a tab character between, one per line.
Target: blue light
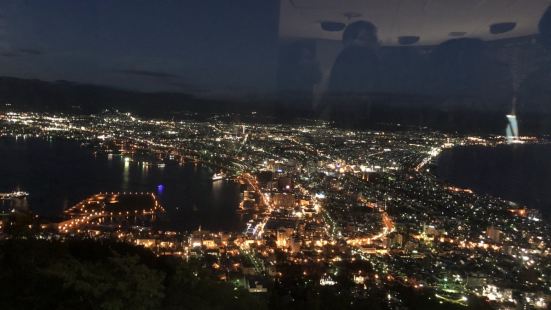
160	188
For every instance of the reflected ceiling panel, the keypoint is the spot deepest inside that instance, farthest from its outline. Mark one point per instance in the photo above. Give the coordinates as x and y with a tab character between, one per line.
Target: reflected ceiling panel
457	33
432	21
408	40
332	26
500	28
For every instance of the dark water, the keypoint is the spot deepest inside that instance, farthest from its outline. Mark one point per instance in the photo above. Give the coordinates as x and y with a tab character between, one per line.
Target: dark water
58	174
519	173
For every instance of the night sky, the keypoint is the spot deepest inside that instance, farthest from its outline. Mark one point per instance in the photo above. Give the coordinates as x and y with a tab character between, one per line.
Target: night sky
218	48
204	47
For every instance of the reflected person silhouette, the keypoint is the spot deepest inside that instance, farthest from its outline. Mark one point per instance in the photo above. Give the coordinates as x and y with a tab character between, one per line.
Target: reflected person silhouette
466	78
356	69
354	76
299	72
534	99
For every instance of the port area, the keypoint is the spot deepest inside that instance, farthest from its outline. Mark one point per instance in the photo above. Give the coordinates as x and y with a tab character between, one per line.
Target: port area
111	209
13	195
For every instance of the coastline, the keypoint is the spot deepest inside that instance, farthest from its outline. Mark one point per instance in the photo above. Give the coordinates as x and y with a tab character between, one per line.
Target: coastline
504	171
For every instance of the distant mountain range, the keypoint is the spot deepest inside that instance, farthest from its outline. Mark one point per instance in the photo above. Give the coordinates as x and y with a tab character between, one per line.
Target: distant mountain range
409	110
66	96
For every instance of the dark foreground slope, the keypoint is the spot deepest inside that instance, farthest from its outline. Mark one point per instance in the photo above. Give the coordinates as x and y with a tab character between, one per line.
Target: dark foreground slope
87	274
84	274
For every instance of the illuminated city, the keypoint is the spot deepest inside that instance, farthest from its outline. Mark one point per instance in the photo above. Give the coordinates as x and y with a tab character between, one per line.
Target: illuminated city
275	154
323	204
